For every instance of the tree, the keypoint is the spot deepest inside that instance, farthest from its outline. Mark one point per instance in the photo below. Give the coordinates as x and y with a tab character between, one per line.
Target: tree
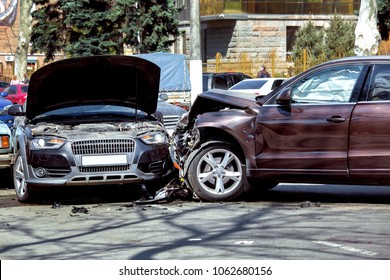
309	38
384	18
339	37
95	27
22	49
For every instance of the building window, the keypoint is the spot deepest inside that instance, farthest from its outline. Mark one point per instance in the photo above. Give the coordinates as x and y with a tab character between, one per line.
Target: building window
300	7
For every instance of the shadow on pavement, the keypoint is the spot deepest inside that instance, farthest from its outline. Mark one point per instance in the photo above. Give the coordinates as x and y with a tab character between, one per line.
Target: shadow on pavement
323	193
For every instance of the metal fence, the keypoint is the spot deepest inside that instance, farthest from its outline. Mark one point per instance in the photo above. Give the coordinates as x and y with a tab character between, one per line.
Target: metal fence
278	65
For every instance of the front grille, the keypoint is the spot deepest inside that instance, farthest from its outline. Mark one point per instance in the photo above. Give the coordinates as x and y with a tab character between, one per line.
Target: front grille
171	121
103	146
99	169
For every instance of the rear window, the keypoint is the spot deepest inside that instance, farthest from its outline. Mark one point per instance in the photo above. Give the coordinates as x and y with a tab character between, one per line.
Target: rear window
277	83
249	84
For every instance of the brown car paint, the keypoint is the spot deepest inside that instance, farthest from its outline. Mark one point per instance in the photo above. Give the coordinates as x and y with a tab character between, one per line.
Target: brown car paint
344	141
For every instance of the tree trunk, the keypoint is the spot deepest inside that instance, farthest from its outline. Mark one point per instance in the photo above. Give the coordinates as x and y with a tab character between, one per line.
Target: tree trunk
367	36
23	38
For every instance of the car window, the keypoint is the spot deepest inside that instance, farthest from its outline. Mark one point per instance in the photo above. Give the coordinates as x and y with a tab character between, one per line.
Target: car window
277	83
91	110
10	90
380	86
24	89
205	82
220	82
330	85
236	79
249	84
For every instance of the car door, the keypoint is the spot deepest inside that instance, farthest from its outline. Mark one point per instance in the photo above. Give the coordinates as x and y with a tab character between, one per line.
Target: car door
369	153
308	136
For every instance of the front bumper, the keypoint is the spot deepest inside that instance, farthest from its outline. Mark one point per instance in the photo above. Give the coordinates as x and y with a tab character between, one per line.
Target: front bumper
5	160
62	167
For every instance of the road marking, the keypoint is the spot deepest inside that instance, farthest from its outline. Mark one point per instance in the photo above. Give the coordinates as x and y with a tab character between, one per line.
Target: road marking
347	248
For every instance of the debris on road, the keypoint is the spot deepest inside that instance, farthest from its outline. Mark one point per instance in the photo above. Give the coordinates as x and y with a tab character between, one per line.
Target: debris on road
244	242
81	209
56	205
175	189
310	204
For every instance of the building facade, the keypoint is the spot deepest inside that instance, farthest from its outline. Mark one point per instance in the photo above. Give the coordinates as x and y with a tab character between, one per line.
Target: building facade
9	31
233	30
255	30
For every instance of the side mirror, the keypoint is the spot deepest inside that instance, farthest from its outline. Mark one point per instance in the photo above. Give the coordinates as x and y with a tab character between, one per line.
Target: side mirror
16	110
164	96
284	97
159	116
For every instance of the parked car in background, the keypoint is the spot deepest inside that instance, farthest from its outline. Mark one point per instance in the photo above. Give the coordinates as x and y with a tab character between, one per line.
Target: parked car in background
3	85
328	124
5	146
222	80
171	113
4	116
95	134
17	93
259	86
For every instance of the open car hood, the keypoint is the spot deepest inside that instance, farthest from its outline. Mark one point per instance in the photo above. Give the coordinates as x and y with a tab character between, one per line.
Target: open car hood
109	79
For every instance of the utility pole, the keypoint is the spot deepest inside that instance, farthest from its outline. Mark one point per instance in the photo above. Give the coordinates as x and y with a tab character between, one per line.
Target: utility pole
196	59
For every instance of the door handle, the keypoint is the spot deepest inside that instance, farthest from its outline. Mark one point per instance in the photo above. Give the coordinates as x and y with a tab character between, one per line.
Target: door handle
335	119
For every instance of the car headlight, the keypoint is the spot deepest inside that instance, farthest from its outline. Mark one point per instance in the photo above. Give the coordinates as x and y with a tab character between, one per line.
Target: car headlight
47	143
154	138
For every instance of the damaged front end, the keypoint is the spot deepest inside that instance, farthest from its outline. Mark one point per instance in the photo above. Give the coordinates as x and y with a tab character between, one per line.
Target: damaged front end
207	148
211	110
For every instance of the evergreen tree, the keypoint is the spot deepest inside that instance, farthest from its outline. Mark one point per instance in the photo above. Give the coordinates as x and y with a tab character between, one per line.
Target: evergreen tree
94	27
339	38
309	38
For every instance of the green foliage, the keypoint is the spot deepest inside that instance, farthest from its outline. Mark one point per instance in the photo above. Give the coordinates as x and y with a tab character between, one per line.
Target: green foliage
321	45
309	38
339	38
95	27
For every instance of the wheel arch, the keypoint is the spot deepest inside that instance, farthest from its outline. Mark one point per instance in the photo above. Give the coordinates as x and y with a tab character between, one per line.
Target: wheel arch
211	136
19	147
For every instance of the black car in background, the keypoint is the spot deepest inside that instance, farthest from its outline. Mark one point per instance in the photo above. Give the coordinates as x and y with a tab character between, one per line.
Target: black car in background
222	80
95	134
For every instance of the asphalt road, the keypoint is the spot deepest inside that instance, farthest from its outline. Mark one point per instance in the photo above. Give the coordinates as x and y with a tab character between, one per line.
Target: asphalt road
290	222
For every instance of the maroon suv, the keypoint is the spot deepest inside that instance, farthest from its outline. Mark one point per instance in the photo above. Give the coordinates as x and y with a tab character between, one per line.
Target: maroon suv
328	124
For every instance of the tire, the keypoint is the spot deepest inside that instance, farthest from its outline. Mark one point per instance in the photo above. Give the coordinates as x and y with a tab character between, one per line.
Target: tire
216	174
21	187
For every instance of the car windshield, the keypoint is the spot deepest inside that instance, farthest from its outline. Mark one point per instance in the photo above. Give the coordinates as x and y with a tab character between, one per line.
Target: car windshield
92	111
249	84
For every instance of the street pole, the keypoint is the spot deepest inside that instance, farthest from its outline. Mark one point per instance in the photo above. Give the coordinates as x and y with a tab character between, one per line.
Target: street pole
196	59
